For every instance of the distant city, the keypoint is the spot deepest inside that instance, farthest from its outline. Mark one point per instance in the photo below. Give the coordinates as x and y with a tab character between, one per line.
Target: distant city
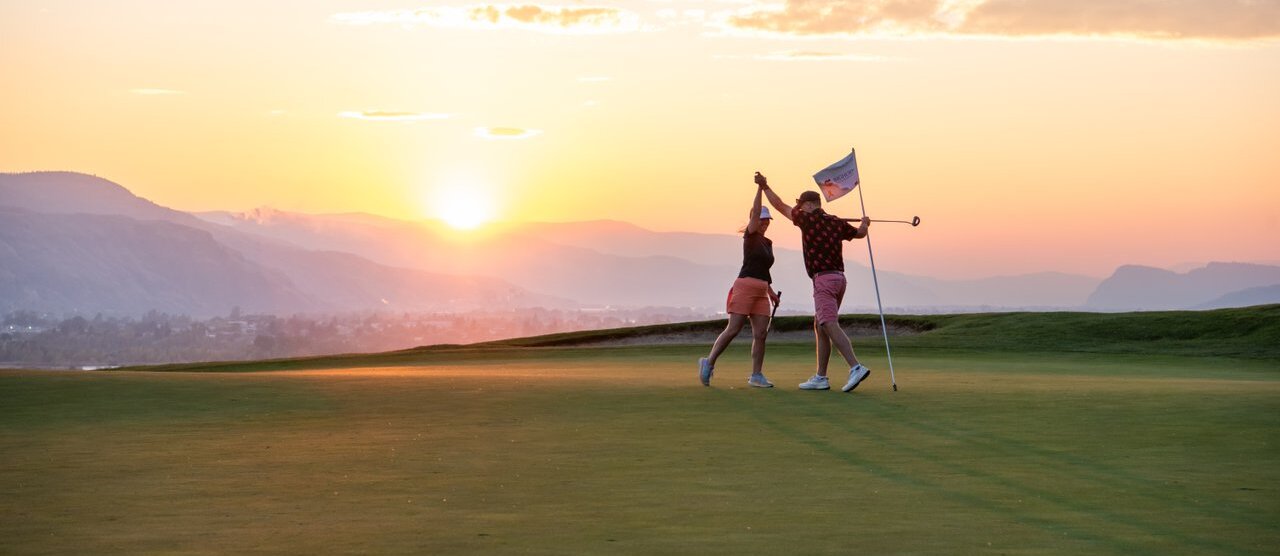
35	340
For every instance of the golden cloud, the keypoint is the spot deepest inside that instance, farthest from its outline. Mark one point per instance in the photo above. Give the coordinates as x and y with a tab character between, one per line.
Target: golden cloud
532	17
1229	20
506	132
815	56
391	116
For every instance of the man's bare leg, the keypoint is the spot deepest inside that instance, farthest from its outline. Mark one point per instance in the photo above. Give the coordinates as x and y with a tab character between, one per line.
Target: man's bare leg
837	336
824	348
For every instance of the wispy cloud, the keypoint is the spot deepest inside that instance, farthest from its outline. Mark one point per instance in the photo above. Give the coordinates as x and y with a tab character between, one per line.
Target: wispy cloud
531	17
688	16
806	56
391	116
156	92
1222	20
498	133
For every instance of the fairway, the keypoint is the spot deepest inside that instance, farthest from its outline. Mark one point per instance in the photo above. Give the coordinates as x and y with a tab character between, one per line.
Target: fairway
619	450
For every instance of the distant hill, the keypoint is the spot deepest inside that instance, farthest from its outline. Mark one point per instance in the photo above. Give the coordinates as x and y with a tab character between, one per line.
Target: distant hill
45	267
628	240
629	265
510	254
1145	288
75	193
348	282
1045	289
1041	290
386	239
1264	295
96	263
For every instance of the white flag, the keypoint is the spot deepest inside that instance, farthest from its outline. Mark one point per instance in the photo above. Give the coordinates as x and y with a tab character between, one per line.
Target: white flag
839	178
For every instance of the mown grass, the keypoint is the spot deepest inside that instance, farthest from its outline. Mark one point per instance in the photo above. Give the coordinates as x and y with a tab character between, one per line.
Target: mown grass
575	450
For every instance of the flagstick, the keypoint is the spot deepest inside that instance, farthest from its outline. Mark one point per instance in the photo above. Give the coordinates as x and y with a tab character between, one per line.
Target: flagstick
876	281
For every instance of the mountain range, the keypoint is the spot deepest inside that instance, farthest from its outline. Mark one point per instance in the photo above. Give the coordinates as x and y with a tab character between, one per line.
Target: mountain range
71	242
1214	285
76	243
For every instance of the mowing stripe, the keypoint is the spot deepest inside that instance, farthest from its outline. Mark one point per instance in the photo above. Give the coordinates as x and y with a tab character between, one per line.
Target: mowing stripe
938	460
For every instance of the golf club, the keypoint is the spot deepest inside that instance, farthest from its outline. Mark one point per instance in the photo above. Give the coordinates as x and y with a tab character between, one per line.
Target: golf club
775	311
915	221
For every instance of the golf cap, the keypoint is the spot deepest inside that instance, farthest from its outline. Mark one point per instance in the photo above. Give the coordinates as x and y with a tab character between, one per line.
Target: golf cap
764	214
809	196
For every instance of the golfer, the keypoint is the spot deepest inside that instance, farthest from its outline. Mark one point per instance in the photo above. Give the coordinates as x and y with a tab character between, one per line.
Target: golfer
821	237
750	299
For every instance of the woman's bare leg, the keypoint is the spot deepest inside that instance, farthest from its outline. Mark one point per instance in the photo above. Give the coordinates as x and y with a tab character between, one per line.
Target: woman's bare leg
759	333
731	330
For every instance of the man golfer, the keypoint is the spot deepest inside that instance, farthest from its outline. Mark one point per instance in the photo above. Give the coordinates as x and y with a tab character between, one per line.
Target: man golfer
821	237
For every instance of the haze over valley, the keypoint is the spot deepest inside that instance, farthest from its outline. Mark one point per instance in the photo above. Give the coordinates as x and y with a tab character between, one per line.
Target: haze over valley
80	244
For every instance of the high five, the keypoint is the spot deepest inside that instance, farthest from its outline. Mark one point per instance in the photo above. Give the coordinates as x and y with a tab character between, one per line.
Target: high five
821	237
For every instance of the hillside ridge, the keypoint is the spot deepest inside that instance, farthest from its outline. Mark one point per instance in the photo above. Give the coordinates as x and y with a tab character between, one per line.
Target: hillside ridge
1239	333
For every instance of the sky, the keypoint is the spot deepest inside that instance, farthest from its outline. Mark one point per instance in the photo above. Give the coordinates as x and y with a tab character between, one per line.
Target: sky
1028	135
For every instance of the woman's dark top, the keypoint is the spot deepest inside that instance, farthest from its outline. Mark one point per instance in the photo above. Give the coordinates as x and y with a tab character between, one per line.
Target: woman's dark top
757	257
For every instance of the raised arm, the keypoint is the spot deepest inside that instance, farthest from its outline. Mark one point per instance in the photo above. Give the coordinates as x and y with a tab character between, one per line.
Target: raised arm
774	200
753	221
848	232
862	228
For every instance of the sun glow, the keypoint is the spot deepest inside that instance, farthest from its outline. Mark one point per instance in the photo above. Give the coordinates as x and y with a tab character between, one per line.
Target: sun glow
463	205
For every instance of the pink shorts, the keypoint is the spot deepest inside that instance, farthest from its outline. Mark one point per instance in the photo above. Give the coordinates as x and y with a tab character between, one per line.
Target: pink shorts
828	292
749	296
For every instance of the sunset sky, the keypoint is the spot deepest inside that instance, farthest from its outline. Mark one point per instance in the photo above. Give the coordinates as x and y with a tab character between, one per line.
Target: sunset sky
1028	135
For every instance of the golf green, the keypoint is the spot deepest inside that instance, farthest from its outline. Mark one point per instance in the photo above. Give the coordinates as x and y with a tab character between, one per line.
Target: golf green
620	450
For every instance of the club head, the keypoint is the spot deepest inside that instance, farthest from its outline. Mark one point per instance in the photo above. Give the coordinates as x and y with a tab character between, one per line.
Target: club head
915	221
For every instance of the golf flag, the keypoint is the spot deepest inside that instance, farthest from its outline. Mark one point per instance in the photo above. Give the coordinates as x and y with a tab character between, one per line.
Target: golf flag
839	178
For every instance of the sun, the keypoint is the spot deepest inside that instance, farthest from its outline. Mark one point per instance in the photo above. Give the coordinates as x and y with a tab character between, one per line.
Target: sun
463	206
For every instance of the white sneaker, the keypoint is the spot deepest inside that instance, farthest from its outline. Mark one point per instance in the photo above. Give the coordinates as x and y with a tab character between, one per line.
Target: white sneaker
856	375
816	382
705	371
759	381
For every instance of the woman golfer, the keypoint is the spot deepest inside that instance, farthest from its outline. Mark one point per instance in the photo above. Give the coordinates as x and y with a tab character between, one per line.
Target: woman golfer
751	298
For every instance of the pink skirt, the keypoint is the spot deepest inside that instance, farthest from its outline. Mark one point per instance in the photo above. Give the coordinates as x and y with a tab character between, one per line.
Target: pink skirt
749	296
